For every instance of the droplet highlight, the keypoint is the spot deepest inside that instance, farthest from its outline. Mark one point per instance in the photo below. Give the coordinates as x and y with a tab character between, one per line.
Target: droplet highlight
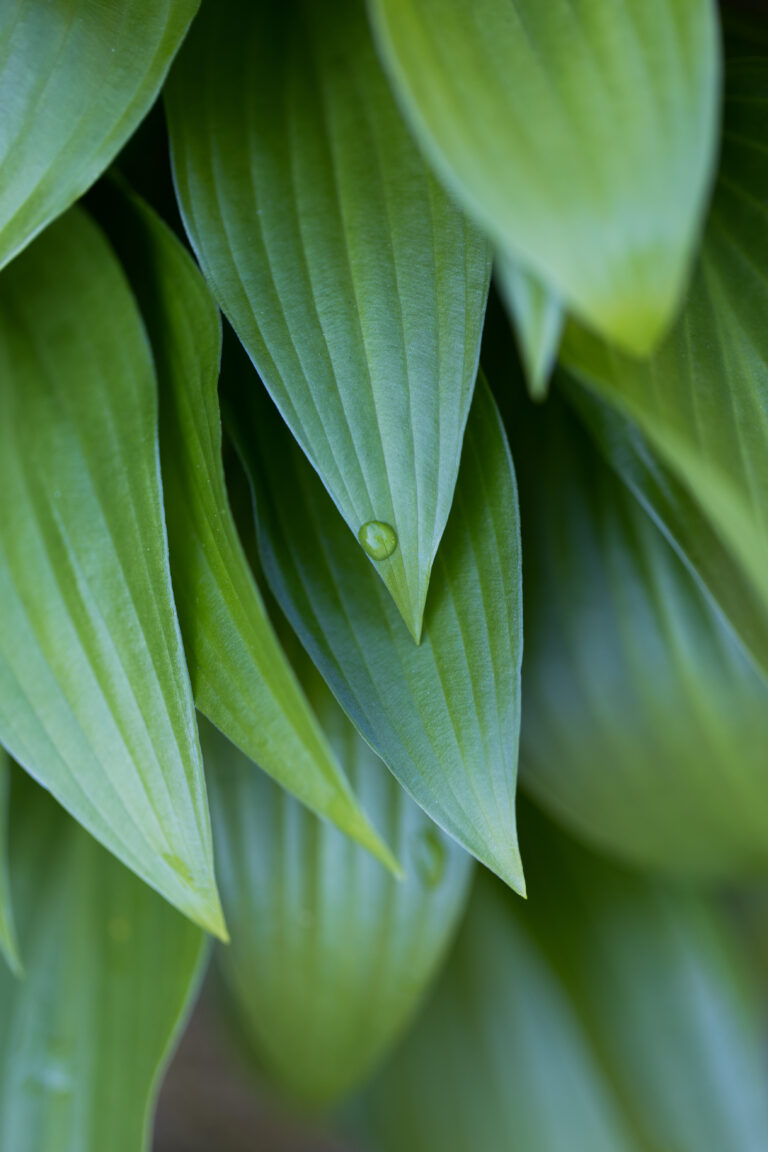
378	539
430	858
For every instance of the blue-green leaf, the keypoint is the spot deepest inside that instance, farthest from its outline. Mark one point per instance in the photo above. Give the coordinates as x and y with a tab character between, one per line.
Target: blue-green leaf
76	77
330	955
356	285
95	700
110	974
582	136
443	716
537	317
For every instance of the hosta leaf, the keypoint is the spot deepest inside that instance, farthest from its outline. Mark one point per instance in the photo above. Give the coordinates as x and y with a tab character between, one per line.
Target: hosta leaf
110	973
645	722
95	699
329	955
240	677
76	77
605	1015
356	286
8	943
676	512
702	400
443	716
537	317
532	113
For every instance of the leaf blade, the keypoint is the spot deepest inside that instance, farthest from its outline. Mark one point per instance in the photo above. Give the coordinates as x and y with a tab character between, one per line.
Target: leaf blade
8	940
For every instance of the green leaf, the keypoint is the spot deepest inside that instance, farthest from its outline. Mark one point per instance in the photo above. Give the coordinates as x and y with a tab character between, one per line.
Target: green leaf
702	400
330	956
607	1014
356	286
8	941
240	676
95	699
581	136
76	78
443	716
111	973
675	511
645	722
537	317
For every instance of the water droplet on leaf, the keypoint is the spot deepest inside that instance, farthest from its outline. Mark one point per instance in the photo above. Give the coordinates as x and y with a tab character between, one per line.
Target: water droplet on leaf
378	539
430	858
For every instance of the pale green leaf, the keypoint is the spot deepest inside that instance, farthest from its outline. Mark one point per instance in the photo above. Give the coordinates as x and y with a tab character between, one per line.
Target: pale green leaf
443	716
8	942
645	721
76	77
356	286
702	400
537	317
606	1014
240	676
95	700
111	973
582	136
330	955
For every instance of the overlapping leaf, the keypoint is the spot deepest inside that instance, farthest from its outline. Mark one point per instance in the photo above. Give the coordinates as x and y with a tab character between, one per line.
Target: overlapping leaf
443	716
537	317
356	286
645	722
110	973
329	955
240	677
582	136
76	77
605	1015
8	943
702	400
95	699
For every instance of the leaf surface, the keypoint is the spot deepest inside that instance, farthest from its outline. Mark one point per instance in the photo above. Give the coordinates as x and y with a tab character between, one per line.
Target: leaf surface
356	286
444	716
111	972
240	676
537	317
531	113
330	955
8	941
606	1014
76	78
95	700
702	399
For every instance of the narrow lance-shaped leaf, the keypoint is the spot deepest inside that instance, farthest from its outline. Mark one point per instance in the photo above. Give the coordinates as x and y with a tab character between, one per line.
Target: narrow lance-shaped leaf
76	77
330	955
645	722
110	974
531	111
443	716
607	1014
240	676
95	700
8	942
355	284
702	400
537	317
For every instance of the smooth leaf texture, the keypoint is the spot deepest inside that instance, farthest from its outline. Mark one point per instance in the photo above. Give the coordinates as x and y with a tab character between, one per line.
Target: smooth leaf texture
111	973
702	400
356	286
443	716
8	942
76	77
531	111
330	956
240	676
537	317
605	1015
645	722
95	700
